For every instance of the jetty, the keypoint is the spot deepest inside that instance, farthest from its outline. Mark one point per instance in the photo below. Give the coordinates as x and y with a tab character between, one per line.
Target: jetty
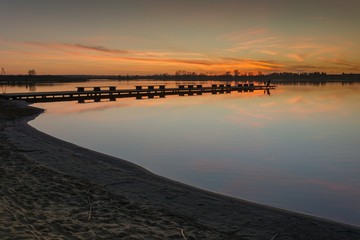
112	93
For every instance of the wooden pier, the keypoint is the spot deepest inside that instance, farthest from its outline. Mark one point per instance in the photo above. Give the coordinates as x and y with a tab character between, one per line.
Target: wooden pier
111	93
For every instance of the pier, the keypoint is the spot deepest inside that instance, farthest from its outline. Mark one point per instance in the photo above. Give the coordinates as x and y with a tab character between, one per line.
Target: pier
110	92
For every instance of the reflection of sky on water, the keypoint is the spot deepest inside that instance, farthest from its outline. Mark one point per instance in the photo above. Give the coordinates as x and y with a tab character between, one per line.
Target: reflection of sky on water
296	149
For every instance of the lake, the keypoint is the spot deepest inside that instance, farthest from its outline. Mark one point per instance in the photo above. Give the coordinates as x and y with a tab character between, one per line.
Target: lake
296	148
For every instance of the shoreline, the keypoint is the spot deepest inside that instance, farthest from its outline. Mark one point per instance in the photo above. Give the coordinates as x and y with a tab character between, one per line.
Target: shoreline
194	211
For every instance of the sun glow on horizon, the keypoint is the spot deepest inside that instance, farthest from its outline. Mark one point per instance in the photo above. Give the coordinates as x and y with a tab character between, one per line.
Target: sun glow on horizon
159	38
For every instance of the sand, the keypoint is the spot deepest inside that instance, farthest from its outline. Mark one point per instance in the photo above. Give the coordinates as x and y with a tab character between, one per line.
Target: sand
51	189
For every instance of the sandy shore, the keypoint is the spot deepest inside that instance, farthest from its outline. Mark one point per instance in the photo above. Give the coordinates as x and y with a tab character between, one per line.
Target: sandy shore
51	189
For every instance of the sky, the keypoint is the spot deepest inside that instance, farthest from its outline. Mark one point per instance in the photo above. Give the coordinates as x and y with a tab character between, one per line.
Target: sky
119	37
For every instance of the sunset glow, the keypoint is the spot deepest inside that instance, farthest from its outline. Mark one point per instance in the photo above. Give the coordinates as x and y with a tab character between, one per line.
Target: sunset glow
148	37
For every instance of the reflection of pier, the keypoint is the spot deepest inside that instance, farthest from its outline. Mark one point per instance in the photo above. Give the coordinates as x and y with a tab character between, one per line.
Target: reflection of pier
111	93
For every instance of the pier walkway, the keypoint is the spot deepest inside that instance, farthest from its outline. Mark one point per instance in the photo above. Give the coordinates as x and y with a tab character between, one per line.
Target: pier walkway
111	93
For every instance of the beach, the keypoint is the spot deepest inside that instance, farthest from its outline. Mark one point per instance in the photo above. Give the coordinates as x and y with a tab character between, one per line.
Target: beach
51	189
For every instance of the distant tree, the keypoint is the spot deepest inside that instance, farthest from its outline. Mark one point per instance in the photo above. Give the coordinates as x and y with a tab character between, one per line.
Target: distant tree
32	72
181	73
228	73
236	73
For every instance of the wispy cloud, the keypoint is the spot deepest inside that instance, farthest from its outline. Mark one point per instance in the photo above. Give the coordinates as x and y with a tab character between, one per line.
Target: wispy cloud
318	18
341	63
297	57
269	52
102	38
254	43
77	46
234	36
79	50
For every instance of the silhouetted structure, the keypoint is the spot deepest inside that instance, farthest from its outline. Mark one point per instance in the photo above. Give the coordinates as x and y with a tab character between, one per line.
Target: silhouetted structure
111	93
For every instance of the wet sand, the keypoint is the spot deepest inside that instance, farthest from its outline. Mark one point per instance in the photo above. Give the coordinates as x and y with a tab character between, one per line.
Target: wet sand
51	189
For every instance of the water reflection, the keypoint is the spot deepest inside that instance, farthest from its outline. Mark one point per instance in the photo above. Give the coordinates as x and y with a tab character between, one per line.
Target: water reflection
295	149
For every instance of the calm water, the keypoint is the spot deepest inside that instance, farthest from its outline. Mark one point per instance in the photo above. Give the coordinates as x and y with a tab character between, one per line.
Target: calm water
297	148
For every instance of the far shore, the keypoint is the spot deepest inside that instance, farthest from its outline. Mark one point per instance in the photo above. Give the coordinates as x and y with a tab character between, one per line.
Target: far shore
275	78
51	189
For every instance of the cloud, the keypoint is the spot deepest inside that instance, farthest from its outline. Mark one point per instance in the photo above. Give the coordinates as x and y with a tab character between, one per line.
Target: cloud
261	64
318	18
130	39
264	64
77	46
253	43
192	58
352	66
269	52
297	57
241	35
99	48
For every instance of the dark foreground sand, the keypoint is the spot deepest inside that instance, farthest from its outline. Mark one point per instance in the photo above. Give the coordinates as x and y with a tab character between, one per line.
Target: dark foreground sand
51	189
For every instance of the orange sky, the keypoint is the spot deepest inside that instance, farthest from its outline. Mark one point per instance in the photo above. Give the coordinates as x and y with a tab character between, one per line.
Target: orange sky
147	37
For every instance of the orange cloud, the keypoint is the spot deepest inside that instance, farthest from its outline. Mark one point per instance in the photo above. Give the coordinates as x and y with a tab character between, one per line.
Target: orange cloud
344	64
258	42
297	57
269	52
83	53
241	35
